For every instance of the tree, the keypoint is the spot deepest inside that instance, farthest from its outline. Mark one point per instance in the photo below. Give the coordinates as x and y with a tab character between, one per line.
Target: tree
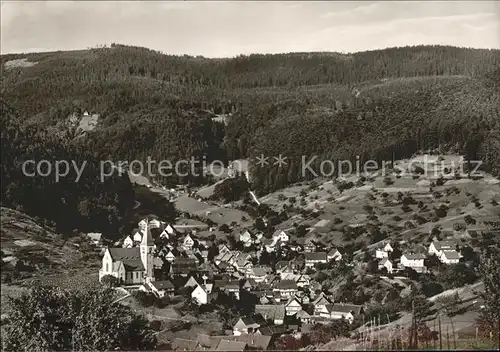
287	342
490	274
469	220
57	319
109	281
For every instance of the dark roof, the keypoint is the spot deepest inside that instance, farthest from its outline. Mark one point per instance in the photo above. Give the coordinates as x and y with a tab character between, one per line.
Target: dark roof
163	285
345	308
125	253
273	330
315	256
130	257
133	264
286	285
444	245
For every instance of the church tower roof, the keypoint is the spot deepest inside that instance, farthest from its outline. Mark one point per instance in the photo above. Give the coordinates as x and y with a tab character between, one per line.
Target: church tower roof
147	238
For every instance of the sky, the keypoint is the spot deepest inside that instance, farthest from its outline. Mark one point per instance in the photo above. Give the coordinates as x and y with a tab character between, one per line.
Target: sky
231	28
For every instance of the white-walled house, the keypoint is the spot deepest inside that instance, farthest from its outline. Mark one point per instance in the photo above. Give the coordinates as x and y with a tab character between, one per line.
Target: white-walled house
313	258
281	236
143	224
437	247
138	236
383	252
293	306
334	254
203	293
385	263
154	224
414	261
188	242
128	242
449	257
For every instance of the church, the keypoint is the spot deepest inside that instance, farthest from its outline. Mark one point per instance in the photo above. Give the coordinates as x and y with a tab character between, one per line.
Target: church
131	266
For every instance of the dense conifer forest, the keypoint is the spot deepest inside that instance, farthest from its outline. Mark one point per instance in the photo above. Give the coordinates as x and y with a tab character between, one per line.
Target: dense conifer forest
371	104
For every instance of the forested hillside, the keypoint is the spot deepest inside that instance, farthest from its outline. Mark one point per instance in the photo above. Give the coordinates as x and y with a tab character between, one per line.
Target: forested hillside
336	105
86	205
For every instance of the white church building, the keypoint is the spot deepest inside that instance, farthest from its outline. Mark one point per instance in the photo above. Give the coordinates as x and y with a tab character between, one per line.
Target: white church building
130	265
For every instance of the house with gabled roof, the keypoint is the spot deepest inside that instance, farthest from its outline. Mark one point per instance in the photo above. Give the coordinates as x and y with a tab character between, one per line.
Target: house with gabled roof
449	257
313	258
162	288
293	305
383	251
128	242
385	263
143	224
191	282
414	261
334	254
342	311
259	273
188	242
437	247
303	316
274	313
286	287
248	324
320	303
310	244
280	235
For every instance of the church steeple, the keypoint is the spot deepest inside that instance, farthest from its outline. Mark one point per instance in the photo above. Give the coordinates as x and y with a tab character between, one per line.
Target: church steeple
147	246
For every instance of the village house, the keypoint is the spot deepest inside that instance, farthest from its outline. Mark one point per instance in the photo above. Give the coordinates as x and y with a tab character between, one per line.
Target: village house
187	242
247	325
293	306
414	261
286	287
437	247
232	287
170	257
383	252
281	236
344	311
154	224
128	242
143	224
385	263
259	273
320	304
274	313
313	258
203	293
191	282
130	265
183	267
95	238
310	245
253	341
449	257
162	288
334	254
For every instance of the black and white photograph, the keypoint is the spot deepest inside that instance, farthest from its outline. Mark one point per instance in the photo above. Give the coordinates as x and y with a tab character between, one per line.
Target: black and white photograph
250	175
